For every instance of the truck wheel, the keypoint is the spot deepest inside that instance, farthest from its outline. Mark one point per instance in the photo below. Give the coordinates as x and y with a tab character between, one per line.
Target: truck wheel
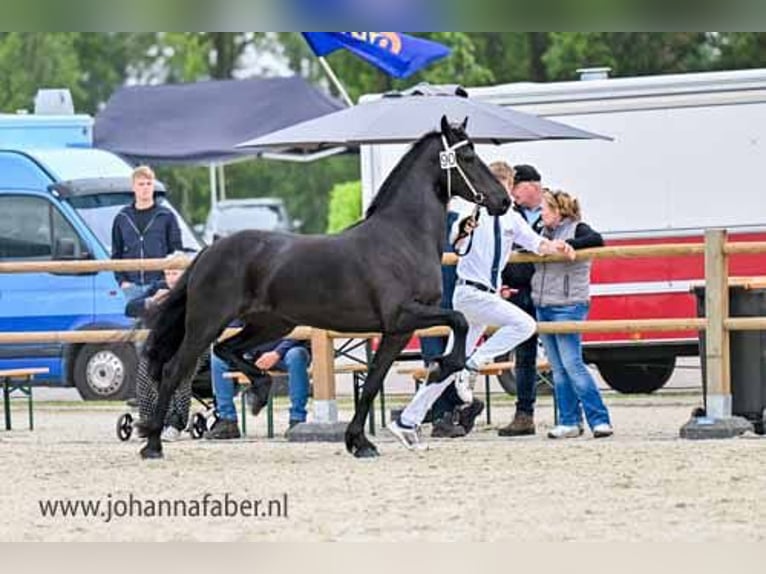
105	372
644	377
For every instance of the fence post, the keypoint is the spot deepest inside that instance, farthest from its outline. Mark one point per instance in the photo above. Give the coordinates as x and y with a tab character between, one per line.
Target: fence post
717	336
323	357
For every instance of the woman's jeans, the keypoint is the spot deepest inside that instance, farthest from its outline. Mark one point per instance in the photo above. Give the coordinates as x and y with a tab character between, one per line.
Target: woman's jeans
576	389
295	362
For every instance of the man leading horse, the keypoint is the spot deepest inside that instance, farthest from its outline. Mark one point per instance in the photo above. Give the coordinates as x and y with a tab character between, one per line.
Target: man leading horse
382	274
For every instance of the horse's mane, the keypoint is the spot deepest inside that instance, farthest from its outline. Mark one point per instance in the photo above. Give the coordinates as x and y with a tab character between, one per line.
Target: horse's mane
393	179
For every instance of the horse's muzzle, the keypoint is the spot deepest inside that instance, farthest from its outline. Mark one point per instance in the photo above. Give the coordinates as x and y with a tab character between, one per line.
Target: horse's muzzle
499	208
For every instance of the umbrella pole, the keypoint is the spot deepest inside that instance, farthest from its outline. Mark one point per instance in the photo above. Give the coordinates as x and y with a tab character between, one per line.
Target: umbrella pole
222	181
213	188
336	82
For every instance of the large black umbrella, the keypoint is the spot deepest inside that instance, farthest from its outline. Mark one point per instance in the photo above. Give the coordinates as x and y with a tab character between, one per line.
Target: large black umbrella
405	117
202	122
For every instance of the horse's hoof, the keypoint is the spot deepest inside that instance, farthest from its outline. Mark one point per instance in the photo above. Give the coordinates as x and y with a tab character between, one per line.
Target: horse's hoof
150	453
366	452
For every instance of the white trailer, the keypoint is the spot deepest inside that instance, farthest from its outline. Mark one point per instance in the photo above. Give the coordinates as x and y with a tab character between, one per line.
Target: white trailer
689	153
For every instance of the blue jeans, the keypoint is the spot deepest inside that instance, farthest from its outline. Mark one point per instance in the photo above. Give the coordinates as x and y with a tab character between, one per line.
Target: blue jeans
576	390
295	362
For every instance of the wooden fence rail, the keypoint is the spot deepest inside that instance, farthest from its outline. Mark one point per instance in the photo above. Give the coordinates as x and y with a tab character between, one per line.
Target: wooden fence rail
717	324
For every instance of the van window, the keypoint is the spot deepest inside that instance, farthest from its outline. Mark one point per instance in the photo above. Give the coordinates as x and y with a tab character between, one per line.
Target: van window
99	211
31	226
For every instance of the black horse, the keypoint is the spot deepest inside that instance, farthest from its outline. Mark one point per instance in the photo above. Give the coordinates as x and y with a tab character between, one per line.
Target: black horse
382	274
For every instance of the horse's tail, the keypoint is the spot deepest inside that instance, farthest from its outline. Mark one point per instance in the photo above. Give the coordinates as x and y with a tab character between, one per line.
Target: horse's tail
168	326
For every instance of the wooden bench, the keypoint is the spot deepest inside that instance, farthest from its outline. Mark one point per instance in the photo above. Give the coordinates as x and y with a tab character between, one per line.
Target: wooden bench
357	370
19	380
420	373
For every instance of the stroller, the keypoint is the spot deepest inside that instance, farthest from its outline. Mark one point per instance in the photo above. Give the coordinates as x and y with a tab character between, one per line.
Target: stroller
257	395
199	422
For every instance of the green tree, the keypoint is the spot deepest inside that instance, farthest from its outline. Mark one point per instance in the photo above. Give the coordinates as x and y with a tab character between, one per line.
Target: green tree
30	61
628	54
345	205
739	50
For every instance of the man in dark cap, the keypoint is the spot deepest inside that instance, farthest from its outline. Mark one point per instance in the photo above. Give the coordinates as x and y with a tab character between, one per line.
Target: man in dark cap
527	193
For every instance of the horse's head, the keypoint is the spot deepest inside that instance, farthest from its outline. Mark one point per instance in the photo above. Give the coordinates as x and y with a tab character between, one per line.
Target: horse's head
465	174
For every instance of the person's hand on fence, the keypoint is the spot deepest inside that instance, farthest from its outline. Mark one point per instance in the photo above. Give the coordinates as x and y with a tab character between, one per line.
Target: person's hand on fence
565	249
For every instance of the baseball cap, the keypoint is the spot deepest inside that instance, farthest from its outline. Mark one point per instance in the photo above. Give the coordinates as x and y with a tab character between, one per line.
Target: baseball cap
525	172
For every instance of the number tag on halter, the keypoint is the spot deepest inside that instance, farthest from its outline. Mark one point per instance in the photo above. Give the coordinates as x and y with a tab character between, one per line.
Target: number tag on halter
448	159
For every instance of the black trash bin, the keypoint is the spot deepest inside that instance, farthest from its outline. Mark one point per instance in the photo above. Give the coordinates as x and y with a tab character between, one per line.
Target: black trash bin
747	351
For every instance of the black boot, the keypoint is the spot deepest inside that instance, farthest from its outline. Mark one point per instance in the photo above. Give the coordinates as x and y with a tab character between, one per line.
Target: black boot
467	415
445	427
223	430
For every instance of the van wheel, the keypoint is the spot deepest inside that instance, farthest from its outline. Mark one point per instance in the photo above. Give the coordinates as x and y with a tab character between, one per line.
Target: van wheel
644	377
105	372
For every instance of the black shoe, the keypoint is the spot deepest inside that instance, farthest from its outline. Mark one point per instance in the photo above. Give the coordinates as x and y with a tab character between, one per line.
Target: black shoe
290	426
132	403
445	427
223	430
467	415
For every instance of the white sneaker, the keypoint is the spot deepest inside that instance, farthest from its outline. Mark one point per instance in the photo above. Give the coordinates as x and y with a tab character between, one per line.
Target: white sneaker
603	430
170	434
464	384
408	437
565	431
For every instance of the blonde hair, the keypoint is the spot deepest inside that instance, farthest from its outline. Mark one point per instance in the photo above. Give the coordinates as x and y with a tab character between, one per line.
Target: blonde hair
562	203
502	171
143	171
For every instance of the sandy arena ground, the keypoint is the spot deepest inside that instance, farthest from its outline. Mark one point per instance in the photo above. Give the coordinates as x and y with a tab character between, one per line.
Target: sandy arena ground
643	484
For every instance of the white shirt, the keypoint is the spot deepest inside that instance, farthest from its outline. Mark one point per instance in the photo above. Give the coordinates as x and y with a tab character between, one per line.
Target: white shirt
477	264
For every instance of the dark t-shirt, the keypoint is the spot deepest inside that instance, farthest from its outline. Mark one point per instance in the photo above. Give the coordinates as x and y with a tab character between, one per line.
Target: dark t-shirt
142	218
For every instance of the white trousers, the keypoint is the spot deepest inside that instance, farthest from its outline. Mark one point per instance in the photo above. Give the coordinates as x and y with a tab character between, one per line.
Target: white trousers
481	310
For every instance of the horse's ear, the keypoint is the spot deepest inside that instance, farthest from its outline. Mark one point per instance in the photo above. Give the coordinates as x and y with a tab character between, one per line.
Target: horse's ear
445	126
464	125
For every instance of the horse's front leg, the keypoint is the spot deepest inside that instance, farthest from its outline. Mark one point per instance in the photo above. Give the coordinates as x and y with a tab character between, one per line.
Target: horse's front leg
390	347
419	316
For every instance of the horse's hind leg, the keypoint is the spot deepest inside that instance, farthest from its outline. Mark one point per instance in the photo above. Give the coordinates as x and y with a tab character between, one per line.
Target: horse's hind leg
390	347
182	365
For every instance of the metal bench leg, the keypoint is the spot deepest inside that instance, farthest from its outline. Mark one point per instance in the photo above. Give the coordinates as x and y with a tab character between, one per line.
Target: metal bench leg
7	404
382	405
270	417
244	413
489	407
543	379
30	402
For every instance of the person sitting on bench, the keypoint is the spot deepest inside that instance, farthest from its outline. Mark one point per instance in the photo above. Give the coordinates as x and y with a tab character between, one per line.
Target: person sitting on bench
283	355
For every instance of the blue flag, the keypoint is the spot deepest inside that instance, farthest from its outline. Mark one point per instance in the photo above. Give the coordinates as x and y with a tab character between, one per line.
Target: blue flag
397	54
